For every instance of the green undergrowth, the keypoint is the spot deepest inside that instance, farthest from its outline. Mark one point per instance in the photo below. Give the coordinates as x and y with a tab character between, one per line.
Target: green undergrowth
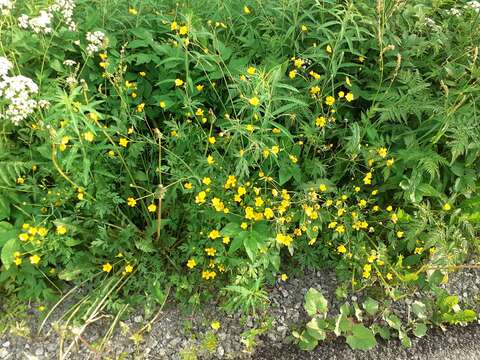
206	150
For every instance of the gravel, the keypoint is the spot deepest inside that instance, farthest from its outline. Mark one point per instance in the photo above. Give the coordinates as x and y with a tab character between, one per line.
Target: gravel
176	335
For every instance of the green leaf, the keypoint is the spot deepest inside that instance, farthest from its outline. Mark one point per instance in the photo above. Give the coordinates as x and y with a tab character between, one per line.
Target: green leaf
237	241
7	252
315	302
394	321
250	243
383	331
70	274
404	339
316	328
307	342
371	306
419	309
362	338
4	208
420	330
7	232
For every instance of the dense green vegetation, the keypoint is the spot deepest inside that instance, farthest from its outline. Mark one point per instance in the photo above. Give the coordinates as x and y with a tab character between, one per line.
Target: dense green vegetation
155	147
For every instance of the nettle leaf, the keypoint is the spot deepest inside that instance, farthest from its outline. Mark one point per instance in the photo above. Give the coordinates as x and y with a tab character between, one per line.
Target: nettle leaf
315	302
362	338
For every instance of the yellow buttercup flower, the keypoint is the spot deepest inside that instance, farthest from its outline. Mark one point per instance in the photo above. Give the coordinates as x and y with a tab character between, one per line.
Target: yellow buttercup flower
382	152
178	82
214	234
34	259
210	251
215	325
200	197
251	70
183	30
254	101
246	10
123	142
128	269
88	136
152	208
107	267
131	202
191	263
320	121
329	100
61	229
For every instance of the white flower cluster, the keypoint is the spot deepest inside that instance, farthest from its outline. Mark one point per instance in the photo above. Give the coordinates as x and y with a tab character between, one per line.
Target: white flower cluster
6	6
96	41
16	92
475	5
5	66
65	8
42	23
39	24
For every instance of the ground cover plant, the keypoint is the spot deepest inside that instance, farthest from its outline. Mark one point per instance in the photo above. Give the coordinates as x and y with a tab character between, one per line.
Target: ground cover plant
186	148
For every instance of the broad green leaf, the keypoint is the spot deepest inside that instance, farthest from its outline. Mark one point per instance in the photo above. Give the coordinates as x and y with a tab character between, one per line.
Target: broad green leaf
371	306
250	243
316	328
7	252
419	309
394	321
307	342
404	339
361	338
315	302
7	232
420	329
